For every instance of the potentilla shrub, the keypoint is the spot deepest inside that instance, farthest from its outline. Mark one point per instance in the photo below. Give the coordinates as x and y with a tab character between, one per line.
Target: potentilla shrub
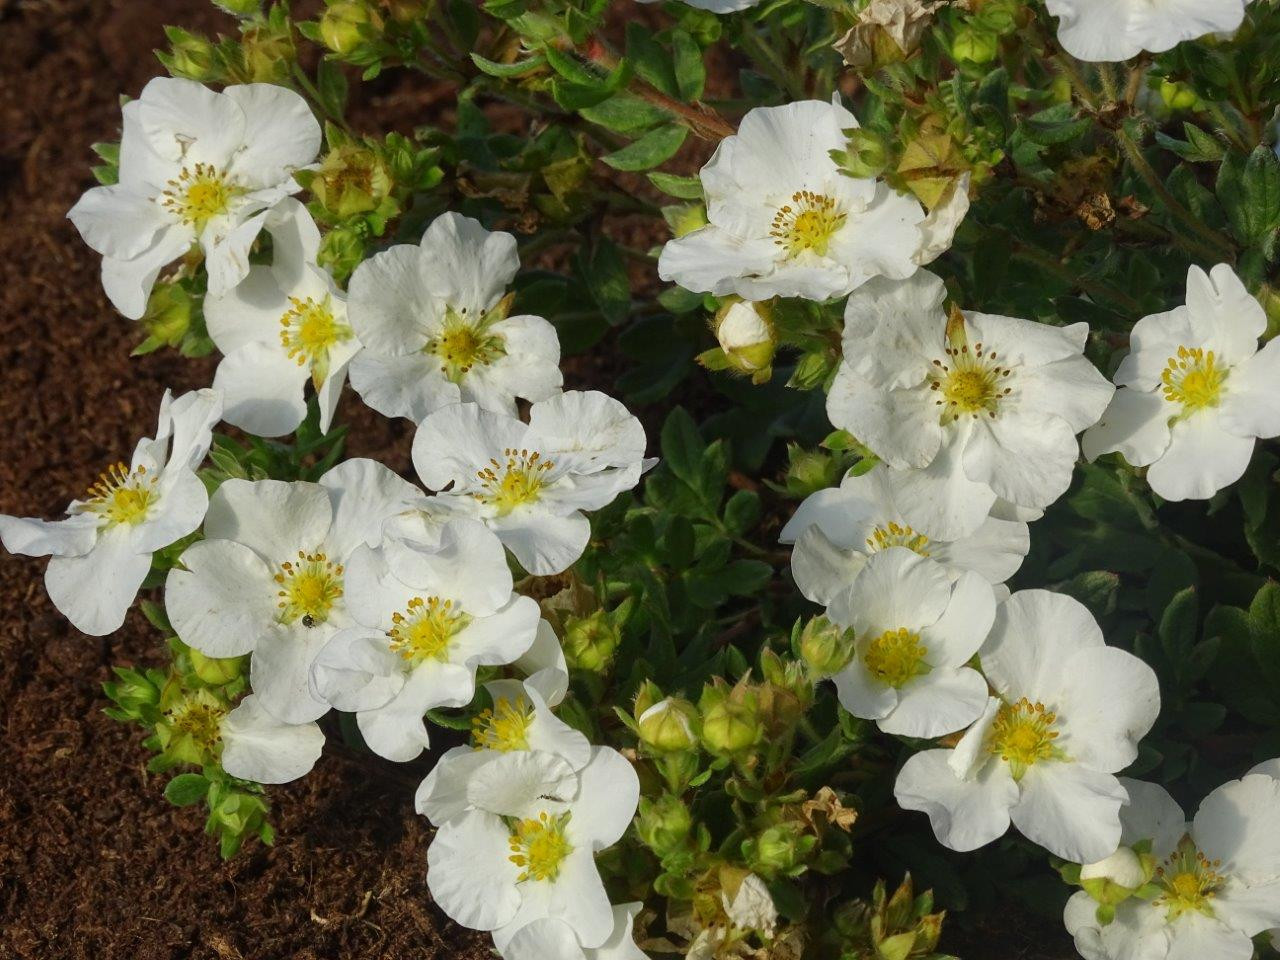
959	323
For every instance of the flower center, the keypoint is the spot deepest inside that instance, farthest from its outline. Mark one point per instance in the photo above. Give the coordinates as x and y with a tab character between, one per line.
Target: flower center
539	846
199	717
1189	881
309	587
121	496
461	344
896	656
968	382
309	330
198	194
516	482
1193	379
898	535
1023	734
424	630
808	222
505	727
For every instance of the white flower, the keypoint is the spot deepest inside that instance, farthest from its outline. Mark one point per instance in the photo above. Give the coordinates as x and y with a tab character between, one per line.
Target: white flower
751	907
270	576
1219	877
519	720
784	221
1109	31
433	320
427	617
1068	714
195	167
1195	390
969	410
251	743
552	939
101	552
284	325
836	530
530	482
528	852
915	631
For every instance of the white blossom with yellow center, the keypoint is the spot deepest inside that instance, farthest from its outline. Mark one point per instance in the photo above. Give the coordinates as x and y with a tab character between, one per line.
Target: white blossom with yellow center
1111	31
783	220
529	483
973	413
835	531
282	330
1195	393
1216	883
101	552
426	616
433	318
272	576
198	168
525	849
915	632
1066	715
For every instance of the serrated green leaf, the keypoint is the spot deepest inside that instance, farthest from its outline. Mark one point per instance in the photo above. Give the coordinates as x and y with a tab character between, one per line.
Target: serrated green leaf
655	147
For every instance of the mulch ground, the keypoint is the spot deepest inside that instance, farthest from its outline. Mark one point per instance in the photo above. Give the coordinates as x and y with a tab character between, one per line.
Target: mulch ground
94	863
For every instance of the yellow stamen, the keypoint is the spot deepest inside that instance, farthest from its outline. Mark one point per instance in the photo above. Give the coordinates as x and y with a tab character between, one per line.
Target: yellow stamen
310	587
896	656
808	222
462	344
309	331
969	381
1023	734
505	727
895	534
198	716
1189	880
539	846
198	194
1193	379
122	496
425	628
518	481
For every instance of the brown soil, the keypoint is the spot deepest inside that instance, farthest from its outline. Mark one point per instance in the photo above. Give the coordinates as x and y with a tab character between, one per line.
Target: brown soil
93	861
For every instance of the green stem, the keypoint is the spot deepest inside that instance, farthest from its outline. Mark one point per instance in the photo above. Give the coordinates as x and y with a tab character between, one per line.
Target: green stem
767	58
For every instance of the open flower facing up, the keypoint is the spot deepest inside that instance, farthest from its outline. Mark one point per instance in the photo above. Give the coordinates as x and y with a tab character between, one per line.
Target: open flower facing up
284	325
835	531
1068	714
530	482
270	575
433	319
527	850
1195	390
196	167
1216	883
427	617
915	632
552	939
519	720
101	552
1109	31
785	222
970	410
246	741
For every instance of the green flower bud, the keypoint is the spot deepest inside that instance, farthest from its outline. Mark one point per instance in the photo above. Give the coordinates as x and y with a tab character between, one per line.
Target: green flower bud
747	338
867	154
732	727
809	471
215	671
780	850
269	54
191	729
664	824
168	315
1178	96
341	250
352	179
347	24
1116	878
685	217
589	642
670	726
825	647
190	56
975	46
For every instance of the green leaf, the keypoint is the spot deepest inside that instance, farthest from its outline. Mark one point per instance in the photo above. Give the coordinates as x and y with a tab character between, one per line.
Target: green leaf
1249	191
682	446
331	85
1178	625
655	147
626	114
686	188
742	512
186	789
652	63
691	74
570	67
1264	629
606	277
1058	124
508	70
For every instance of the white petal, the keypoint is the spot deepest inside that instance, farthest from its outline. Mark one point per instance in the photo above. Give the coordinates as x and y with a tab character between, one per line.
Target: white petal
500	638
248	313
388	303
453	443
1251	404
545	659
365	494
1135	423
280	135
1026	459
177	512
1034	636
958	633
184	121
940	500
73	536
822	570
529	368
1201	459
396	730
543	543
221	599
516	784
894	329
1071	388
357	670
1151	814
938	229
467	564
608	793
1219	299
899	425
280	671
443	794
597	429
711	260
468	873
577	896
117	222
226	254
881	240
995	550
965	814
1197	937
545	939
942	701
128	283
258	747
862	694
264	390
1109	700
272	517
1070	810
466	266
897	588
405	385
1237	825
95	591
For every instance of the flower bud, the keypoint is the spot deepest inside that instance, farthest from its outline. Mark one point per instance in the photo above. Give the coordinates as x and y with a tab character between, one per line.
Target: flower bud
341	250
825	647
867	154
190	56
670	726
809	471
168	314
1178	96
589	642
975	46
732	727
1123	868
215	671
269	54
779	850
664	824
352	179
746	335
347	24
